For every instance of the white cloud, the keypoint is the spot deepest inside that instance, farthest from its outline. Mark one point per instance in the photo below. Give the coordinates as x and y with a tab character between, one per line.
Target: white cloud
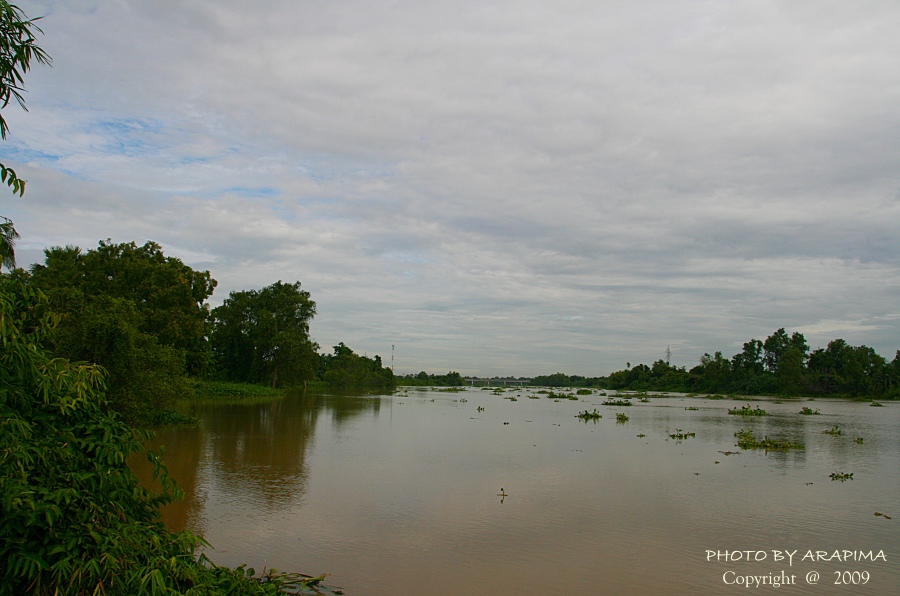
493	188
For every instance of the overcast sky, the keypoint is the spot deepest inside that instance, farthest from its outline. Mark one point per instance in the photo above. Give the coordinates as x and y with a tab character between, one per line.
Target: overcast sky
494	188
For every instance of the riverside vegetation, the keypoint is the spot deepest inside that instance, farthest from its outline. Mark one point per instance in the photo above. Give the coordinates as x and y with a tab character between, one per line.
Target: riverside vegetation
95	345
782	364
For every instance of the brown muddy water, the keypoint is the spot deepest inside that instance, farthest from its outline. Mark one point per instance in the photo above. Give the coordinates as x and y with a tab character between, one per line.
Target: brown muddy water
401	494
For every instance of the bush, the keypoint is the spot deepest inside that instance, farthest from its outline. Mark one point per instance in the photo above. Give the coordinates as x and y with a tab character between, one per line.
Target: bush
73	519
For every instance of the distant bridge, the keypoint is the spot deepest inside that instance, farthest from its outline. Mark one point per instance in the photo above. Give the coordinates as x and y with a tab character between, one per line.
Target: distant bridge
473	381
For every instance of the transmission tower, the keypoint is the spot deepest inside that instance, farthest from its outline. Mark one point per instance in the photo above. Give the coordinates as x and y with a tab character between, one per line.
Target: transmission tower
668	354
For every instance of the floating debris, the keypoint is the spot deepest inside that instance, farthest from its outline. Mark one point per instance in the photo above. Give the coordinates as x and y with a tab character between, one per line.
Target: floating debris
879	514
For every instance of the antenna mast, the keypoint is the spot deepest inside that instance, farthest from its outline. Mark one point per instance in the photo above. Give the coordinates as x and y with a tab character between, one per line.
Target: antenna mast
668	354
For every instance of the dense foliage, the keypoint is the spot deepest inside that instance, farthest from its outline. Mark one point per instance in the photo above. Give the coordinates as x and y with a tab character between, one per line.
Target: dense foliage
138	313
73	519
782	364
262	336
346	369
451	379
17	51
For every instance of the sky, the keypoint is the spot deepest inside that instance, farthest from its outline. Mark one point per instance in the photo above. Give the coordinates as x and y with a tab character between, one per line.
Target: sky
494	188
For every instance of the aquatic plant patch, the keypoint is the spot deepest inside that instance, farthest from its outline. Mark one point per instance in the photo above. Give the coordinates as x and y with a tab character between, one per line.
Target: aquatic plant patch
746	440
841	476
617	402
748	411
680	434
809	411
595	415
834	431
620	417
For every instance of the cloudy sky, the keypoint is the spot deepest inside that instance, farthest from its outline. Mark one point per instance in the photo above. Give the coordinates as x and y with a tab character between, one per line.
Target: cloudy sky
494	188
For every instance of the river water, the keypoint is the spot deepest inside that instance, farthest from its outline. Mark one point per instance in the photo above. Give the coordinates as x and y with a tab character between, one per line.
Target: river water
402	494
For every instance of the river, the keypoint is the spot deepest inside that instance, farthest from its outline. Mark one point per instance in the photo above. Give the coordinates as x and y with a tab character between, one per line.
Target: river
480	492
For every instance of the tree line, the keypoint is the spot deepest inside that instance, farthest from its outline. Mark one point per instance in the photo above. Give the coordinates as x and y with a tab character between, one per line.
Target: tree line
91	345
144	317
782	364
423	379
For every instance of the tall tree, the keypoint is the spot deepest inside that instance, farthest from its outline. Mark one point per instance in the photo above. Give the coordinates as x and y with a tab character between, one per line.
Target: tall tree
777	344
139	314
17	51
169	297
262	336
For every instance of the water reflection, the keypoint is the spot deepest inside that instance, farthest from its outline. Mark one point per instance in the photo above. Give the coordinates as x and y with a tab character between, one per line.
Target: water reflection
255	454
427	492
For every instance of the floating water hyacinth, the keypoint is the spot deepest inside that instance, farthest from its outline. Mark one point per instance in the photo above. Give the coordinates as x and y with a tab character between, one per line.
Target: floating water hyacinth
748	411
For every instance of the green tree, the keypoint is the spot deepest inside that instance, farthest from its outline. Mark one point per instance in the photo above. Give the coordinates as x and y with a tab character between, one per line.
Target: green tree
777	344
789	374
713	374
262	336
8	237
73	518
168	297
346	369
139	314
17	51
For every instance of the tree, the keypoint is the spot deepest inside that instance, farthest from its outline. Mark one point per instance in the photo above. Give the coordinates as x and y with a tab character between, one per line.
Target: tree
73	518
777	344
134	311
8	237
168	297
262	336
346	369
17	51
